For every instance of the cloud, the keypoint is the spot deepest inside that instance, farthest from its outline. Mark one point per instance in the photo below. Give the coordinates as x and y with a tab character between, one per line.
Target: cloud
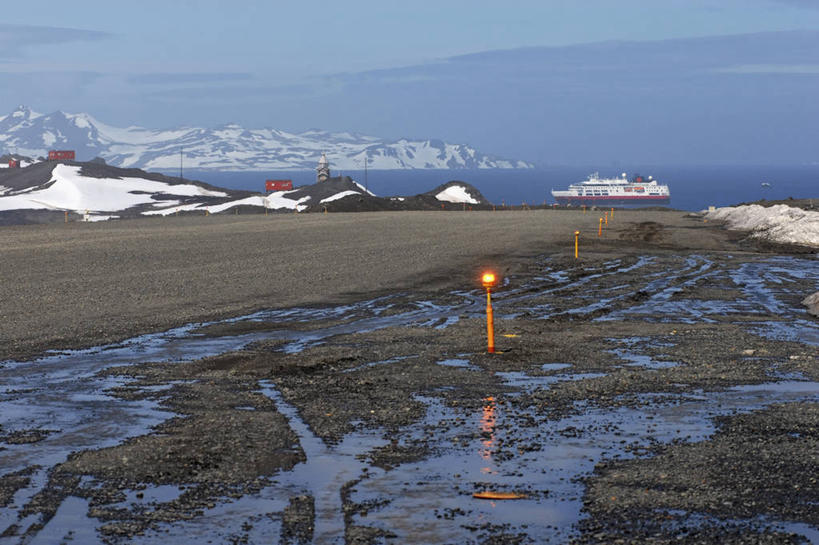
168	78
809	4
770	69
650	100
788	52
15	38
220	94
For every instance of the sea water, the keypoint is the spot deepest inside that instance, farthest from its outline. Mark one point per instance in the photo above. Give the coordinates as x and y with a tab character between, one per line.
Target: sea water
692	187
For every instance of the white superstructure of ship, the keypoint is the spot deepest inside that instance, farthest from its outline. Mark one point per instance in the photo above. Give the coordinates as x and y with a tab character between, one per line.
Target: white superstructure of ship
597	190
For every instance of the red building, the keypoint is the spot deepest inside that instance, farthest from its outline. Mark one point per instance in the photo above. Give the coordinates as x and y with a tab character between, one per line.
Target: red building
278	185
61	155
14	163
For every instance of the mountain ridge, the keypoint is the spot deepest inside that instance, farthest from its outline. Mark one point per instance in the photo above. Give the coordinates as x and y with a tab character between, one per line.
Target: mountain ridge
230	146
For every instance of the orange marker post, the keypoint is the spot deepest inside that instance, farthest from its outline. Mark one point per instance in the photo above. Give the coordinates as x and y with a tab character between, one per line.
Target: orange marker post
612	212
607	218
584	208
489	282
600	228
576	237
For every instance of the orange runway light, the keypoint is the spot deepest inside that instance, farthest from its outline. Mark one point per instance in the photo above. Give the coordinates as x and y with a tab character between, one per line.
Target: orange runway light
576	237
600	228
489	280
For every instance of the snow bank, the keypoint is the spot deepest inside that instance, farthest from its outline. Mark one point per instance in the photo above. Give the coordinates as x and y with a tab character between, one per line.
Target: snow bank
277	200
364	189
778	223
274	201
457	194
340	196
71	191
174	208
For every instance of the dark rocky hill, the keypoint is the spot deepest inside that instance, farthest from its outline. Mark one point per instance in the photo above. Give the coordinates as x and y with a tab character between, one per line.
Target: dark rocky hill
26	195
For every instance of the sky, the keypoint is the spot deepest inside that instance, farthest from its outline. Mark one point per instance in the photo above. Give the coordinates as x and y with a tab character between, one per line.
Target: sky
549	81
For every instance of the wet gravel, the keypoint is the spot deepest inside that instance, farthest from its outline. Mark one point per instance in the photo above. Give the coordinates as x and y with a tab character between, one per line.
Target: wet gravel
620	403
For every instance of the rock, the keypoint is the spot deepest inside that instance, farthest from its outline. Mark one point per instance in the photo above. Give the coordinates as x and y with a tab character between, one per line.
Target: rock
812	302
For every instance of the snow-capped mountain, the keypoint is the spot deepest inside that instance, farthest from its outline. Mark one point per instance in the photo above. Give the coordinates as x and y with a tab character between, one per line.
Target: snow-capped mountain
229	147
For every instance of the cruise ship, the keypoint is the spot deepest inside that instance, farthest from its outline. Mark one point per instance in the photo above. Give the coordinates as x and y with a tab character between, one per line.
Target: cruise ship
597	190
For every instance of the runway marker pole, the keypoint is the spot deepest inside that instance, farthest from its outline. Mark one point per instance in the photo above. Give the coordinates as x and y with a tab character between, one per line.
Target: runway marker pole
576	236
489	282
600	228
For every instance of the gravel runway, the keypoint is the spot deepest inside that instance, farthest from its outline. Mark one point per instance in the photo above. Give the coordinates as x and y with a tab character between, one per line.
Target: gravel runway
662	388
79	284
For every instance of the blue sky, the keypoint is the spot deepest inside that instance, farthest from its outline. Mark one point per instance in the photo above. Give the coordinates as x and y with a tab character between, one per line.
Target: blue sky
552	81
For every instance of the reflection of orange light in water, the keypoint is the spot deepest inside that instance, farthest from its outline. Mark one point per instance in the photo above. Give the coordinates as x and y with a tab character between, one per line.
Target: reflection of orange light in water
488	427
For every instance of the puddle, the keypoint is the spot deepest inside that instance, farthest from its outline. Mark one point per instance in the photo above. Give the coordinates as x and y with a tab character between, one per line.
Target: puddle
762	284
526	382
152	495
377	363
498	447
456	362
62	393
639	360
431	501
69	524
757	524
555	366
326	470
253	518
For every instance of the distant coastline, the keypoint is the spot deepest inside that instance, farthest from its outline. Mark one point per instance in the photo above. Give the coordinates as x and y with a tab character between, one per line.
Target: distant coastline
693	188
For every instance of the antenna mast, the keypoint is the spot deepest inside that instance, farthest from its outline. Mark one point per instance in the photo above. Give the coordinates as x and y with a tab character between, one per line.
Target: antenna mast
365	172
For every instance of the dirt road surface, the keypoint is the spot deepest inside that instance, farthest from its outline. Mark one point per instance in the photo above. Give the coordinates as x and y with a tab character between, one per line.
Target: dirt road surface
78	284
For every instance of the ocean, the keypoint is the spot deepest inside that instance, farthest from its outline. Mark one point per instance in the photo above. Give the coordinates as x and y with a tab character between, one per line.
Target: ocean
692	187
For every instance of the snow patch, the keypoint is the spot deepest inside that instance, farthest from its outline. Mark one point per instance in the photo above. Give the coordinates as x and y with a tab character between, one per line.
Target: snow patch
364	189
168	210
778	223
71	191
456	194
340	195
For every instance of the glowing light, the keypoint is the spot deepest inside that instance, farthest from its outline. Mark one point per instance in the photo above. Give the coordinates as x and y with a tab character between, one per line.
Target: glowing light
488	279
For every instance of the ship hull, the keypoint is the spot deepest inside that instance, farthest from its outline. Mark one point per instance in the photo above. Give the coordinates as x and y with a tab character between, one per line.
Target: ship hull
616	199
